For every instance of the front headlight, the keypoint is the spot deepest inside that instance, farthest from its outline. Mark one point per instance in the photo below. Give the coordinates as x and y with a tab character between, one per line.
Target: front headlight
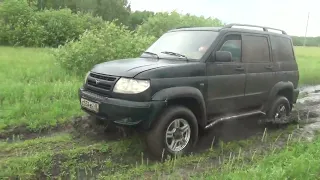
85	79
131	86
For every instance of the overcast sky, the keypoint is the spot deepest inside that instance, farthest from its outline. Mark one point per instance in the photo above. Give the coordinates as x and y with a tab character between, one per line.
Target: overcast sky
289	15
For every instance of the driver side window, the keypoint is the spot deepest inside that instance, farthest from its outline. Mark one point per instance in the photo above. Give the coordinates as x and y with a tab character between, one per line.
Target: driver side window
232	44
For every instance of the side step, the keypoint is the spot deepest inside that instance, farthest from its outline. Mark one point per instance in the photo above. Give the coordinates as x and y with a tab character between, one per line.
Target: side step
235	116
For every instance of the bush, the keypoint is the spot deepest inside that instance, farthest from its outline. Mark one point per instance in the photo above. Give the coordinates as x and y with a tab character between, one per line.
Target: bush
23	26
19	25
162	22
3	34
62	25
96	46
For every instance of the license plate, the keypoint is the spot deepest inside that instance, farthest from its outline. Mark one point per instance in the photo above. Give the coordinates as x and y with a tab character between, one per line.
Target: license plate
92	106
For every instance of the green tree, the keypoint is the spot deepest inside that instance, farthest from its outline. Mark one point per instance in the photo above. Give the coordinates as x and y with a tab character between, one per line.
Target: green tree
109	10
310	41
138	18
161	22
297	41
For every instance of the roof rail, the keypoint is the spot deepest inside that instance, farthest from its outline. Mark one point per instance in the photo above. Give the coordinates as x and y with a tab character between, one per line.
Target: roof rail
248	25
181	27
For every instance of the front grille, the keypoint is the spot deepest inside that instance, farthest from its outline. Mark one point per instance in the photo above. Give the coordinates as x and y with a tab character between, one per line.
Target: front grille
100	83
107	78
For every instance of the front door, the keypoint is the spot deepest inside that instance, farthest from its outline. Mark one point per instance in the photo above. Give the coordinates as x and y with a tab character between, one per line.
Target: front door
226	80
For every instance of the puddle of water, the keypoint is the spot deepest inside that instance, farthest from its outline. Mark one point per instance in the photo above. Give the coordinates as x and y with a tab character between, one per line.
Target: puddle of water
311	98
308	108
310	89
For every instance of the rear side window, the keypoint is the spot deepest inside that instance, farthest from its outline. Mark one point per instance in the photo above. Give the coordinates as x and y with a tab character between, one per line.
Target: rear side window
255	49
281	49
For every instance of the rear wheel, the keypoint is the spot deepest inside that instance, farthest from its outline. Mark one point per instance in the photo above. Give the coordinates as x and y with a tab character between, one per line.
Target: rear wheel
174	132
279	111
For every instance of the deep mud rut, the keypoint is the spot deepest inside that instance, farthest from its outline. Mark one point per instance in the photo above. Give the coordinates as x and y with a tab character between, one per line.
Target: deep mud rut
306	113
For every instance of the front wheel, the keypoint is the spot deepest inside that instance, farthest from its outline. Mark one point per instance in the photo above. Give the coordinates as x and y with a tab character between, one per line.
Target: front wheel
173	133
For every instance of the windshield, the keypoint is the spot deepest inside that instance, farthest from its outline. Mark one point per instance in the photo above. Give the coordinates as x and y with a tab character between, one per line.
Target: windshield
184	44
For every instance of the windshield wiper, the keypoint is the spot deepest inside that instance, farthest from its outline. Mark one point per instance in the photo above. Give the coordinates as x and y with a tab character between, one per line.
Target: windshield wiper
151	53
175	54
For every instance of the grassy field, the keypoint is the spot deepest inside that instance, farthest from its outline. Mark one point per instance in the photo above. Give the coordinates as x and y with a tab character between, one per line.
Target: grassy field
297	161
309	65
34	92
36	95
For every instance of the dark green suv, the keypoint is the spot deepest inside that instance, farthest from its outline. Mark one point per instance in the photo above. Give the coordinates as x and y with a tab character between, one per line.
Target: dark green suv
192	78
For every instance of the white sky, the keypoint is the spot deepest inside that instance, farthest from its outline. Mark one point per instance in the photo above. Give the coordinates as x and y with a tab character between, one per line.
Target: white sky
289	15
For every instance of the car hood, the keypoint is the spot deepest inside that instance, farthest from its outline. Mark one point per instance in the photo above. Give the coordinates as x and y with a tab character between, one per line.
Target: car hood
132	67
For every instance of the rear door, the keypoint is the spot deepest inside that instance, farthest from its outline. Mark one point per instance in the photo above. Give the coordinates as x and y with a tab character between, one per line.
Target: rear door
226	80
256	56
286	67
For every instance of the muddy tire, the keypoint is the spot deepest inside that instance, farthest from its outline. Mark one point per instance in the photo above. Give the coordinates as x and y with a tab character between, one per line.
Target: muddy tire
279	111
174	132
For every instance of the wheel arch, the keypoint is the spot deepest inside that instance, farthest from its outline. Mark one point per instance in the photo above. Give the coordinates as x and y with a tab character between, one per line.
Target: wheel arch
189	97
281	88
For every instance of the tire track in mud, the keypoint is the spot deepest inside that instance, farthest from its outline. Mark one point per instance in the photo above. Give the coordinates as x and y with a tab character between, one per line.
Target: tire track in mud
306	113
78	127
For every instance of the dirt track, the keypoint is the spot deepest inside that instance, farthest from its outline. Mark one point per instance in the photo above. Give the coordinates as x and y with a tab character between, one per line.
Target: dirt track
306	113
86	133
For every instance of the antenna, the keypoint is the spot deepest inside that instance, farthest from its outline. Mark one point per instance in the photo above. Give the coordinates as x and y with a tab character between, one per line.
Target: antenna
305	35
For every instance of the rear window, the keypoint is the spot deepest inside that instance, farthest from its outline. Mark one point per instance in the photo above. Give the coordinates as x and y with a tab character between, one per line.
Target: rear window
281	49
255	49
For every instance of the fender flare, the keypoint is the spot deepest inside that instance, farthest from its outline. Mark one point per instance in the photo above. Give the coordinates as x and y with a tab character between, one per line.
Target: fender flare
184	92
274	91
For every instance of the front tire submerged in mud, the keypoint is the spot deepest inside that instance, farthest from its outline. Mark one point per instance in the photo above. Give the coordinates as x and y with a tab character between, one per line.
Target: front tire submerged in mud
175	131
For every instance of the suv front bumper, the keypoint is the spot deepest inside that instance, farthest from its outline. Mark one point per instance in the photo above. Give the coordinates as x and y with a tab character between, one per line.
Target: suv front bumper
123	112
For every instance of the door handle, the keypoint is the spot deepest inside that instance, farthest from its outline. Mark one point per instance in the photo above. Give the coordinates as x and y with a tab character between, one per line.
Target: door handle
240	68
269	67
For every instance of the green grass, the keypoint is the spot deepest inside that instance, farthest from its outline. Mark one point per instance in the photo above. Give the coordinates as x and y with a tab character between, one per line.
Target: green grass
308	59
62	156
297	161
35	92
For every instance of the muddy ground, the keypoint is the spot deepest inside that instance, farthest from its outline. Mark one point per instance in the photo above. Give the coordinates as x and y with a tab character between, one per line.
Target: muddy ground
305	117
306	112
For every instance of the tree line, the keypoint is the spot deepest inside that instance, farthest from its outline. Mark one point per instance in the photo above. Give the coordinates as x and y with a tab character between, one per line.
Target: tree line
109	10
117	11
308	41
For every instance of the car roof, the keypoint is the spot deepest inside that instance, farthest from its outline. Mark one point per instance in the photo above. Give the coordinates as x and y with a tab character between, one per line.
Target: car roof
238	28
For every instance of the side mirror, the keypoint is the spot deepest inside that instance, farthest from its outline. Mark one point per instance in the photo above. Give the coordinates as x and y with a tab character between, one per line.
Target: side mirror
223	56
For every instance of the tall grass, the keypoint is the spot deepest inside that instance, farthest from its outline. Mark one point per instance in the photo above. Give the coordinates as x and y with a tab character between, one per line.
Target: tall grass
297	161
308	59
33	90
